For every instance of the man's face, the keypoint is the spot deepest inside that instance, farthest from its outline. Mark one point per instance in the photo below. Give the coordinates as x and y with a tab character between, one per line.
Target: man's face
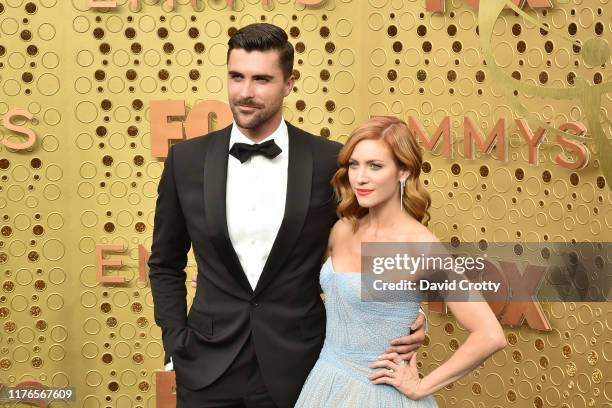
256	86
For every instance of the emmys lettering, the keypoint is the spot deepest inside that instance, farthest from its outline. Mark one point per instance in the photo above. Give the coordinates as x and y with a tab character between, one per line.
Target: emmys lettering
439	5
430	5
102	263
201	117
7	123
168	5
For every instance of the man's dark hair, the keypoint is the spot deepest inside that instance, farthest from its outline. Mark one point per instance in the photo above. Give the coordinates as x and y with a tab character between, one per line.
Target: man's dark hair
264	37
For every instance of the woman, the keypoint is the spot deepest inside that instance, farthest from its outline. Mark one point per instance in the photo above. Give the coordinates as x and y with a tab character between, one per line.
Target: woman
382	200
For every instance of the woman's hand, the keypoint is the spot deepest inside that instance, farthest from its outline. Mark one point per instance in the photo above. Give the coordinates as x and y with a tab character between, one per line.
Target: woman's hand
395	372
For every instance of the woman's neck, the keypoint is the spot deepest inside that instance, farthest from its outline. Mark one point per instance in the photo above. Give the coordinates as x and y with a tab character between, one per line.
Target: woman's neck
382	218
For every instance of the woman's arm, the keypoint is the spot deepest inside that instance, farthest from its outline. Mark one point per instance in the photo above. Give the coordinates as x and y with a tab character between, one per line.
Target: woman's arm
340	229
330	241
485	338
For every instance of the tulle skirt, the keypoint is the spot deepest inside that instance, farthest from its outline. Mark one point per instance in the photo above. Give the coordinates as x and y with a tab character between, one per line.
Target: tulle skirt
341	381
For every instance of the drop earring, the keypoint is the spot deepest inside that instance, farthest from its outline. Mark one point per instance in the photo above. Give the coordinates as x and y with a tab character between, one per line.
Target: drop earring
402	185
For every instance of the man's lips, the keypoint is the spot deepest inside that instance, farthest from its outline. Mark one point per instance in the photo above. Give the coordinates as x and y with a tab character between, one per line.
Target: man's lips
247	108
362	192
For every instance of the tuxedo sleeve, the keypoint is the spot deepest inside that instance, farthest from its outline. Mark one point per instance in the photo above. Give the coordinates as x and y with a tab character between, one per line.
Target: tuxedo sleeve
171	243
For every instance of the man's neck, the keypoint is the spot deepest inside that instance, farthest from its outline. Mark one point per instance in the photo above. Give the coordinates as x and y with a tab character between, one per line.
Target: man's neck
258	134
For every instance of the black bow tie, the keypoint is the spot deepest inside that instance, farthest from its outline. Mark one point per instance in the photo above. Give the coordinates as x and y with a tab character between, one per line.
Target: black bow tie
244	151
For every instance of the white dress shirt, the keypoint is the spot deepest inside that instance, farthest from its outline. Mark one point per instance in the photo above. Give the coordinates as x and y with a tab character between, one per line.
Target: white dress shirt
255	201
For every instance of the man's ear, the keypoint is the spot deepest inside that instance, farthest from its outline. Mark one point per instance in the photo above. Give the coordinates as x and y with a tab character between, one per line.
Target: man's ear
289	83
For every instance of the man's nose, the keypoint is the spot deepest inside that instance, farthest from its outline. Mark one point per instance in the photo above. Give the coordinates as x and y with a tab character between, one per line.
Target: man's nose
246	92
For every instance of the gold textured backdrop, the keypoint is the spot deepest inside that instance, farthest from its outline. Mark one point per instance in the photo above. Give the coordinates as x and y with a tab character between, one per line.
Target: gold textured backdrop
88	77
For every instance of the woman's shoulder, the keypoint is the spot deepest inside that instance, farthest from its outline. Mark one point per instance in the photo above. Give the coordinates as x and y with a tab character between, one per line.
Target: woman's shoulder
341	227
417	232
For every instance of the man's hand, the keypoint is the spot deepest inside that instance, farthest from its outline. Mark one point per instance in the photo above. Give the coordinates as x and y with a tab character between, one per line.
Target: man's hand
406	346
194	280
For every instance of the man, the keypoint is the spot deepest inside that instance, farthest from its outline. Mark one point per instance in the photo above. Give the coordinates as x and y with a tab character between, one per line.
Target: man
255	201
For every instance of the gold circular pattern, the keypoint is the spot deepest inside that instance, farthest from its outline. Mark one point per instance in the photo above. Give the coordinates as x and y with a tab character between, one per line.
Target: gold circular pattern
433	59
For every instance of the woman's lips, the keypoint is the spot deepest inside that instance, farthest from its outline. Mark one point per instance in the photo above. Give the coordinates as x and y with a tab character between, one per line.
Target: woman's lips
363	192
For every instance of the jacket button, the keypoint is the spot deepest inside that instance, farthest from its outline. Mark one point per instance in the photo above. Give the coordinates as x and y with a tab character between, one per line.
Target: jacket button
254	304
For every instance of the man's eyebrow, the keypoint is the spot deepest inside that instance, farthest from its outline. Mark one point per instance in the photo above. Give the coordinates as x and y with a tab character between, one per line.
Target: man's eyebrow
256	76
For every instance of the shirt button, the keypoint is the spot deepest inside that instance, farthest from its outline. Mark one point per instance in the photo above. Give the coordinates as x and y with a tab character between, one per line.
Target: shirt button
253	242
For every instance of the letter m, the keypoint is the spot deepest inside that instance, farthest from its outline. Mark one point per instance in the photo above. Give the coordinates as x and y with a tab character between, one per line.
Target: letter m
497	139
441	135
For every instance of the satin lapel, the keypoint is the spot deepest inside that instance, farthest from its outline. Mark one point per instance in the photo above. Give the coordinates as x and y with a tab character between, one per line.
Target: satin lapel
299	183
215	183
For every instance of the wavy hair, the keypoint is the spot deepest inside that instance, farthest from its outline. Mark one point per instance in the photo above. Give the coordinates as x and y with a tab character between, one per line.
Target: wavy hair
407	155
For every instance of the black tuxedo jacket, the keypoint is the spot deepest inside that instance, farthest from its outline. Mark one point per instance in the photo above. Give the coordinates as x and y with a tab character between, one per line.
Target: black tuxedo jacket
284	313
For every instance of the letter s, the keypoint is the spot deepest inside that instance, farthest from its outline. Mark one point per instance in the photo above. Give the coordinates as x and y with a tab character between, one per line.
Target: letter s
6	122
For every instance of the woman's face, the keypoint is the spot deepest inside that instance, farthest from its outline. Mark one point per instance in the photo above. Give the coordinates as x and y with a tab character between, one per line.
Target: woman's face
373	174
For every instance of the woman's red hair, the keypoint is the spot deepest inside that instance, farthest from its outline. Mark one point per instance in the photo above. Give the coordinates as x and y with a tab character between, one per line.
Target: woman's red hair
407	155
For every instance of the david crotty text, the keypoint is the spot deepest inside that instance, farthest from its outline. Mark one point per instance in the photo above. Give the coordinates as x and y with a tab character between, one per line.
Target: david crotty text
423	284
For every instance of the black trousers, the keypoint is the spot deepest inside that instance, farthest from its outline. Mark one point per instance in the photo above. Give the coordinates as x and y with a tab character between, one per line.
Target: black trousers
241	386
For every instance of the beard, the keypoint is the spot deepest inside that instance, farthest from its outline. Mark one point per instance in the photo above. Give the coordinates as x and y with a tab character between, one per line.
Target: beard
260	116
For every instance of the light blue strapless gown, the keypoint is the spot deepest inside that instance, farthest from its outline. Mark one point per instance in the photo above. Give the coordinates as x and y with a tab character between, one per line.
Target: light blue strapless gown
357	332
